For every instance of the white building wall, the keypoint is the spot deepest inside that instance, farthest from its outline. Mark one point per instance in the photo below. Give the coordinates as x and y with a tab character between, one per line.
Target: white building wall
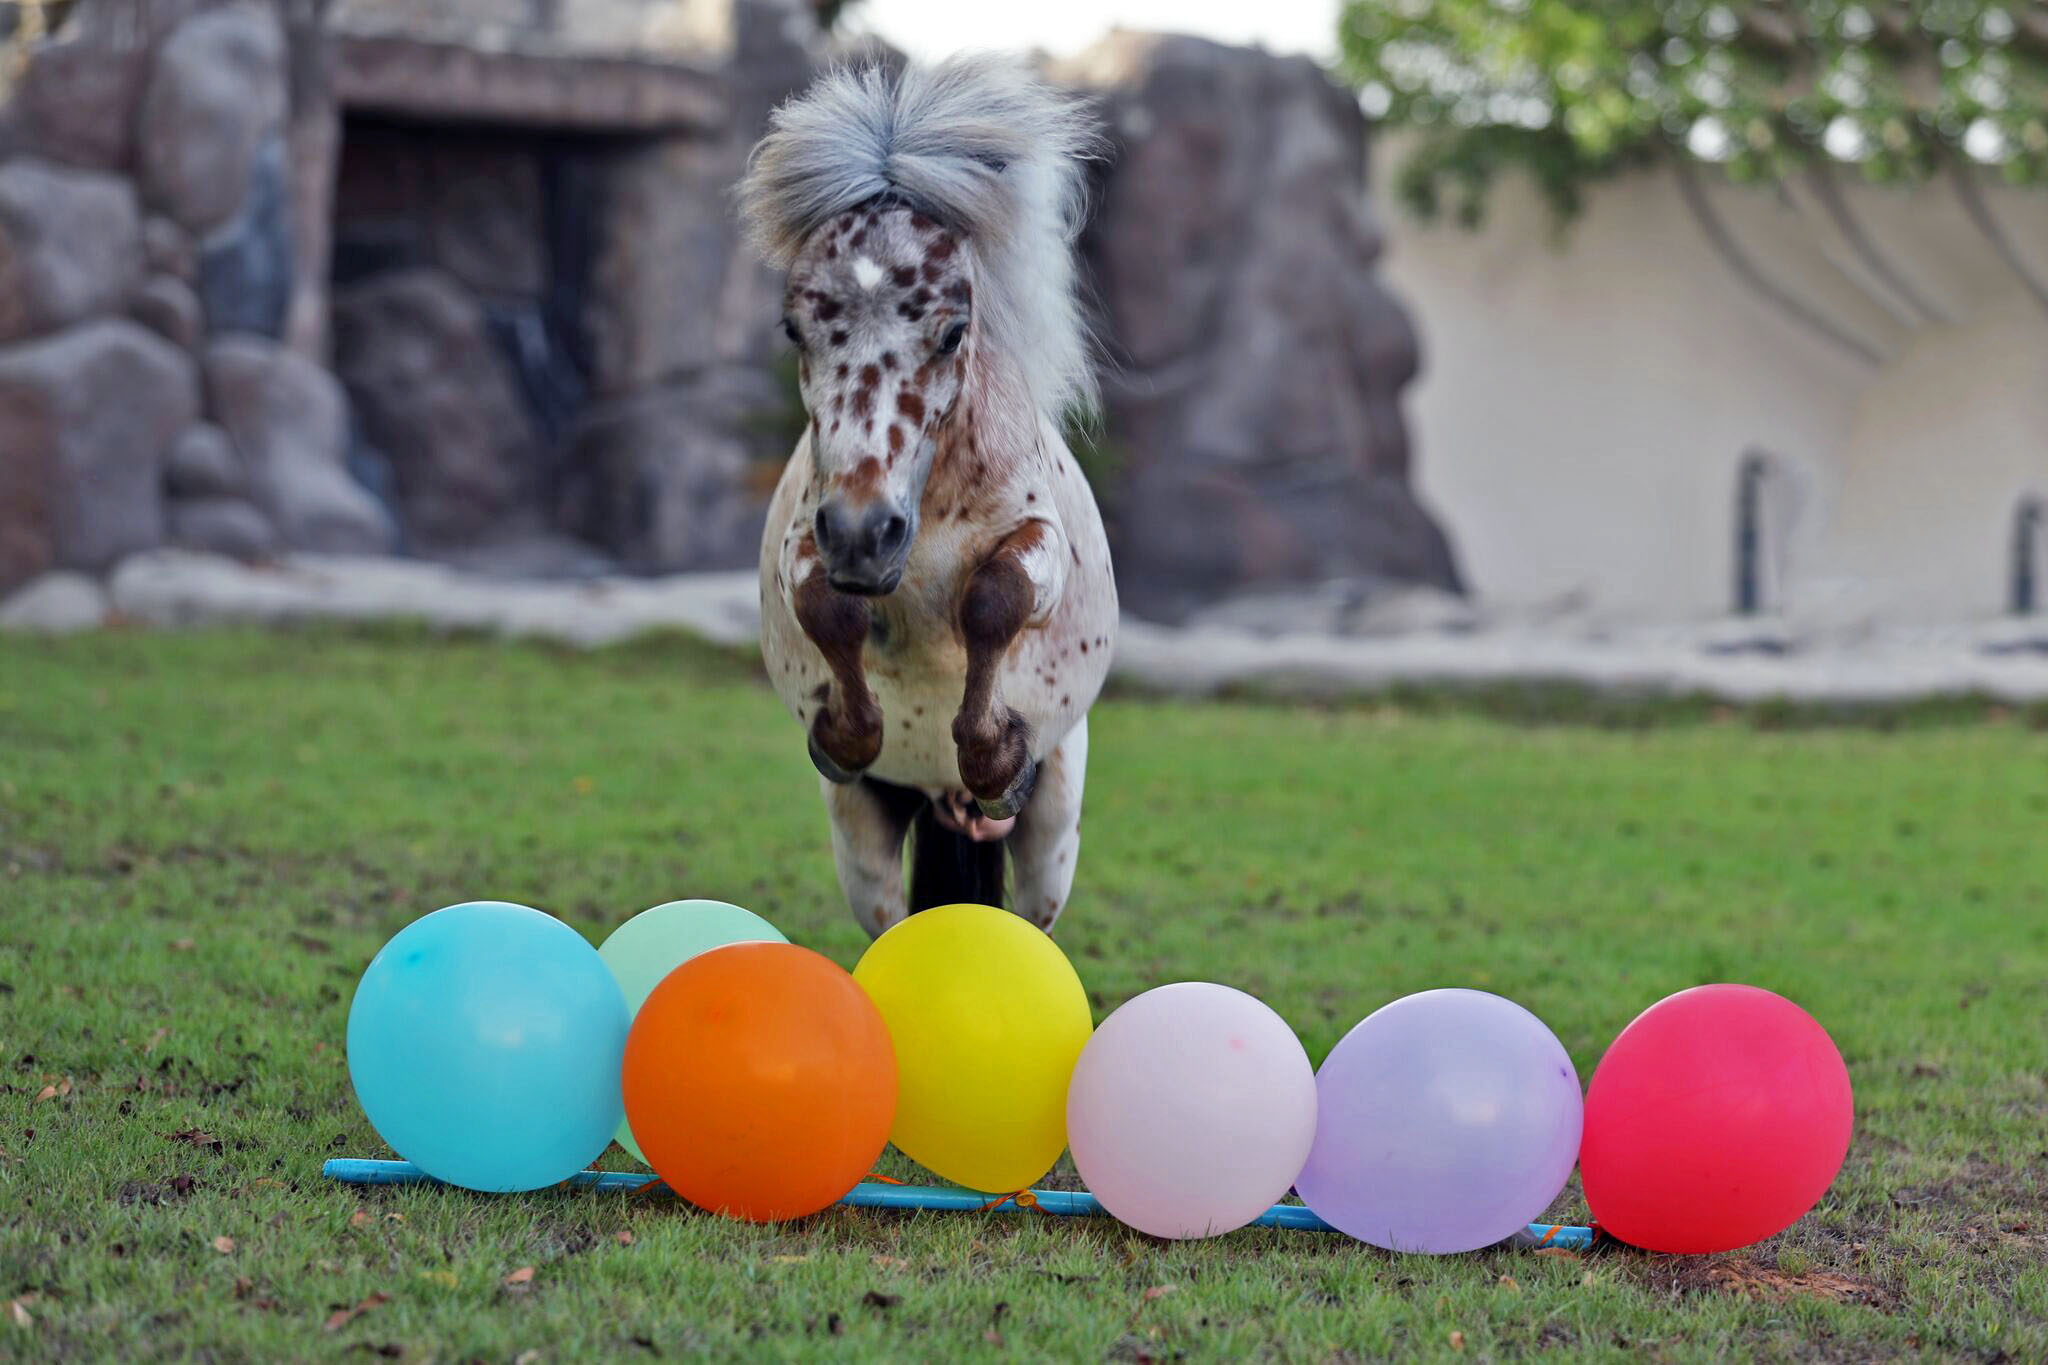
1588	392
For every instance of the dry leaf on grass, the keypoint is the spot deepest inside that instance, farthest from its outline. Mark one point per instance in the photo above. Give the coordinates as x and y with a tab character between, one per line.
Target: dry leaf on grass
358	1218
342	1317
17	1313
183	945
891	1263
224	1244
154	1039
1159	1291
625	1236
523	1275
787	1260
1457	1341
195	1137
48	1092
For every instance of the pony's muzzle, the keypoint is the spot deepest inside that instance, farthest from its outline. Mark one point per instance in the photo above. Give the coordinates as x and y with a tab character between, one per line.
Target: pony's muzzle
864	548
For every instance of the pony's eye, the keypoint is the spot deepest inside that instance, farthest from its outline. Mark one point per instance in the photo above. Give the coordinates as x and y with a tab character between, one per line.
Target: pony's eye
789	330
950	342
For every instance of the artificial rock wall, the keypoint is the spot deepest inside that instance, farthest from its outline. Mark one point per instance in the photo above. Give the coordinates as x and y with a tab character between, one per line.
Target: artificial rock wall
148	270
270	284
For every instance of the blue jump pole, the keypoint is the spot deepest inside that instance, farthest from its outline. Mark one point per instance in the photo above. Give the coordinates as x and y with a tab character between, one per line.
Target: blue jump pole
875	1195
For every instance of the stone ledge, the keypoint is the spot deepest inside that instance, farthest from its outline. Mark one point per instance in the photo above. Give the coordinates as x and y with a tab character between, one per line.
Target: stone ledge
1661	663
172	588
376	73
60	603
2007	660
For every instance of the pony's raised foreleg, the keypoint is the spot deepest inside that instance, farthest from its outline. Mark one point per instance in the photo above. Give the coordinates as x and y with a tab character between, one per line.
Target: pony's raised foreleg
1012	588
1046	843
846	733
867	850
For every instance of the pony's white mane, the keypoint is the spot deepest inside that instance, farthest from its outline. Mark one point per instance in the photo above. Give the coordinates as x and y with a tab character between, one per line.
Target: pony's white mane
977	143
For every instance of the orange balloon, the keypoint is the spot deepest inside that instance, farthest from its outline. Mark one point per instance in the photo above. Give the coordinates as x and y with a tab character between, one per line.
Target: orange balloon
760	1081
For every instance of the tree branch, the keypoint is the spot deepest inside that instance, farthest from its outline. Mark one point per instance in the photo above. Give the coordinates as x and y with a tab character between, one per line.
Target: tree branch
1980	214
1746	269
1844	262
1829	193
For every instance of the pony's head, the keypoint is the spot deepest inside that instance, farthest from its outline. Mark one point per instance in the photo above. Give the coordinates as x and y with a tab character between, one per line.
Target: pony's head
880	307
927	222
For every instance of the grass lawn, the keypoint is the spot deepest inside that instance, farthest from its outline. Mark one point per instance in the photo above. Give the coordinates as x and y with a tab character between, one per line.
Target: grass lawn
203	838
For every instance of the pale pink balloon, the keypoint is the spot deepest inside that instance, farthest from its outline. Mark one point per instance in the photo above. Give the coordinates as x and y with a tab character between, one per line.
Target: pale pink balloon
1191	1110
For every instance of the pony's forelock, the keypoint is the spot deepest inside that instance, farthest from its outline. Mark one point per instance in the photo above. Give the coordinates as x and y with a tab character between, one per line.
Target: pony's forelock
976	142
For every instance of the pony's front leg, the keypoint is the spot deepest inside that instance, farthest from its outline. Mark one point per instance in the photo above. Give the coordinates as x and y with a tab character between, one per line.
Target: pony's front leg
1046	844
1014	587
846	733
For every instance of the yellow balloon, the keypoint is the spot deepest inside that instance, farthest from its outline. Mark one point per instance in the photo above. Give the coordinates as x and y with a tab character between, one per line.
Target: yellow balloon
988	1019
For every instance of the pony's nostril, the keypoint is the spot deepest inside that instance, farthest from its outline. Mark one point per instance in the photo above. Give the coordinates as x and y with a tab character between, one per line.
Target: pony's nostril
855	542
890	539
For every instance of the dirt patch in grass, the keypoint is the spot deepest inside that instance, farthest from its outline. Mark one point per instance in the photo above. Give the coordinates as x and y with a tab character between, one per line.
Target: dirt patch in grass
1745	1278
1741	1277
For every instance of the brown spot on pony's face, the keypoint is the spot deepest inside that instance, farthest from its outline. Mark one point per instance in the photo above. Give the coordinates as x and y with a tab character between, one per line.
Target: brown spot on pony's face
880	305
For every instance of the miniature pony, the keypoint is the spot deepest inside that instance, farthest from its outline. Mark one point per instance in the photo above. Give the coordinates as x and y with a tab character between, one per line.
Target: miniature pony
937	603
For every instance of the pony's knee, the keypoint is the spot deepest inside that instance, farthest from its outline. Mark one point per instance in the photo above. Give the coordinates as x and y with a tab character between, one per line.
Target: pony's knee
997	605
836	622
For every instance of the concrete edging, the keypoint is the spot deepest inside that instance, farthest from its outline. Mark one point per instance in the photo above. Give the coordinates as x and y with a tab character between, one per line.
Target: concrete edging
1745	661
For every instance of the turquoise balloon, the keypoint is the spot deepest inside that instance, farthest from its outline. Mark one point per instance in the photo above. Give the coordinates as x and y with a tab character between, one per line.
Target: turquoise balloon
647	947
485	1042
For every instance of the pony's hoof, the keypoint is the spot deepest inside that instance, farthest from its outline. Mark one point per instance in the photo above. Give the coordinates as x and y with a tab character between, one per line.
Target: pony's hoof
829	770
1011	803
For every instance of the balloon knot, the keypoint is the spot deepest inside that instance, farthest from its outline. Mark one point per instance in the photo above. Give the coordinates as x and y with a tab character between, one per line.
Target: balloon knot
1023	1199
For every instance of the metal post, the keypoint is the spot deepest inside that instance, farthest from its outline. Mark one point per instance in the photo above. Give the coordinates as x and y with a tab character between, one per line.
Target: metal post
1749	480
2026	555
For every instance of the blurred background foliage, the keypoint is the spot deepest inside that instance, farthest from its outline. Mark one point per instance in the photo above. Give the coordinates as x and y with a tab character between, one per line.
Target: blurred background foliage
1572	92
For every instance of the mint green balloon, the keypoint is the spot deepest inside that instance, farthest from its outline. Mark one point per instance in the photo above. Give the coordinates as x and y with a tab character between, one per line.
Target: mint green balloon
647	947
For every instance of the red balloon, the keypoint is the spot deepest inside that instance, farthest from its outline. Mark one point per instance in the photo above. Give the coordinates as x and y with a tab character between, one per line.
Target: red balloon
1719	1116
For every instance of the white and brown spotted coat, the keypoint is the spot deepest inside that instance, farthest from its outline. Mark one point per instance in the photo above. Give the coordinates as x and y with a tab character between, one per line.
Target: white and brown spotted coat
873	297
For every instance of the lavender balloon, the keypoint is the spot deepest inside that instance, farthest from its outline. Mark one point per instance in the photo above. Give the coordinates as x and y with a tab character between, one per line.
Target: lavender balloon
1446	1121
1191	1110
